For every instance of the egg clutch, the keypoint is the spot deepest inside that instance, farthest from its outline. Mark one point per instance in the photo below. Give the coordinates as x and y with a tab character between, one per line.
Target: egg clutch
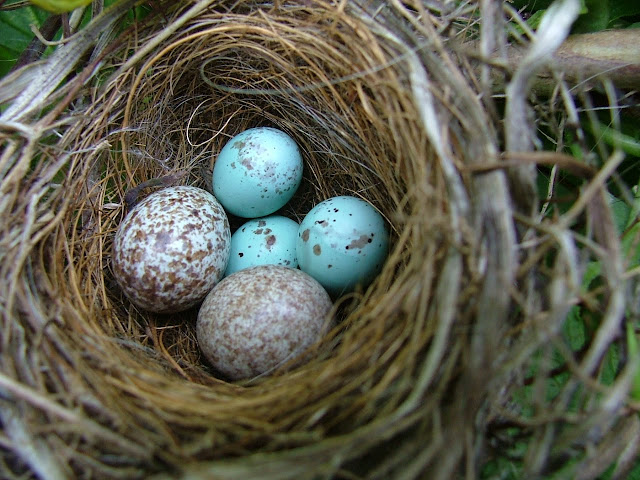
265	291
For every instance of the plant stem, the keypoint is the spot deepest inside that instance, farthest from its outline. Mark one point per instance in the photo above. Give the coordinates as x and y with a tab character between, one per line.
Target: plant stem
590	57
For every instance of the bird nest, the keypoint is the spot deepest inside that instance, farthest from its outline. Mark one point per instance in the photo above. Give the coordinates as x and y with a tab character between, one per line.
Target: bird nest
444	363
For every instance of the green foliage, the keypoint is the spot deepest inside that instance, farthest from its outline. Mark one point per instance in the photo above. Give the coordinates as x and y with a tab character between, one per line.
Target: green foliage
501	468
16	34
595	15
634	355
634	474
581	323
574	329
629	143
619	9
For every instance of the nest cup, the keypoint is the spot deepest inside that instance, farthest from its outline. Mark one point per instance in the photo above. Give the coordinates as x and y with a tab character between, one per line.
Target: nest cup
413	374
298	70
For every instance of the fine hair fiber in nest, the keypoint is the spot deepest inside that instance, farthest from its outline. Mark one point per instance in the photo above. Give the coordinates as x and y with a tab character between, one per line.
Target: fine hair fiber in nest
420	374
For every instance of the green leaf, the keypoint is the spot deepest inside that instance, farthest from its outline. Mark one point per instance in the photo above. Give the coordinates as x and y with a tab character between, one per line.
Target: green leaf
16	34
590	274
624	8
502	468
634	214
596	18
631	246
620	211
574	330
537	5
532	5
634	356
610	365
534	20
634	474
631	239
615	138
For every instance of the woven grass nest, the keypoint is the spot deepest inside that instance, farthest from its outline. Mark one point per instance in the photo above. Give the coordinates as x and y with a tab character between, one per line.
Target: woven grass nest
422	375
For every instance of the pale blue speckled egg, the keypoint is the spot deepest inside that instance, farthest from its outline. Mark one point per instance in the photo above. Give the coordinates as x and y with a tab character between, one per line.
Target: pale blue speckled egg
264	241
342	243
257	172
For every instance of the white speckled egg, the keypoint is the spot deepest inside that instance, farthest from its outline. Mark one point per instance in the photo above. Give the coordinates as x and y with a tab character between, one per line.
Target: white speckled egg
260	317
264	241
257	172
171	249
342	242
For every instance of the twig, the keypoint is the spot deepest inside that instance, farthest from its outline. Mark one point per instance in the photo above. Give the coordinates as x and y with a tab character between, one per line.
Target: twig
515	159
37	46
131	196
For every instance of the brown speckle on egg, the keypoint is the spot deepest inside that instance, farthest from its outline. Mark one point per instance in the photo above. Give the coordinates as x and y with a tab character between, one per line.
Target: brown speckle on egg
261	317
271	240
171	250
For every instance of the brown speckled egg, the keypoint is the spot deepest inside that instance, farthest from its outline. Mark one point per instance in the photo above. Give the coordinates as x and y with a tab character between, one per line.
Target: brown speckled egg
260	317
171	249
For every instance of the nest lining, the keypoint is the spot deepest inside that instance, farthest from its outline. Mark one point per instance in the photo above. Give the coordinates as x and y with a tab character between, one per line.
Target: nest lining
415	356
